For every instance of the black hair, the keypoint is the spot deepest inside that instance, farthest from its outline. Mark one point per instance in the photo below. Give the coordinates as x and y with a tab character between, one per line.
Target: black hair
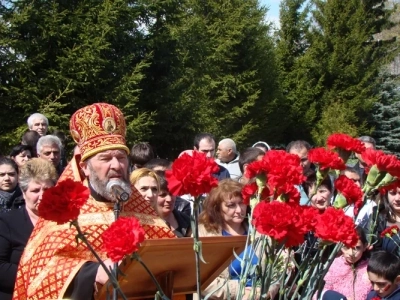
8	161
202	136
363	238
361	235
384	264
30	138
163	180
312	180
141	153
19	149
299	144
249	155
386	210
158	162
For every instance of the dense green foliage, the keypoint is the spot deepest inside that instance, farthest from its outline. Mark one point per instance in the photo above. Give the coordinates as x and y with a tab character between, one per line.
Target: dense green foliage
177	68
212	71
61	55
334	64
386	119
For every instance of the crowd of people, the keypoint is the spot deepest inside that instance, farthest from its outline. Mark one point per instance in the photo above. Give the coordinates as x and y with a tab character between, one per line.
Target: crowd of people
38	262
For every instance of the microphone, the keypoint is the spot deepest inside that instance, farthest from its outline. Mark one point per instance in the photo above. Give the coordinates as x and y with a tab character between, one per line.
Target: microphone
114	188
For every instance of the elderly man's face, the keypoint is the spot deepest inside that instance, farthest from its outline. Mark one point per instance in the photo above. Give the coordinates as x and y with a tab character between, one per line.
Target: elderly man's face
51	153
106	166
40	126
224	153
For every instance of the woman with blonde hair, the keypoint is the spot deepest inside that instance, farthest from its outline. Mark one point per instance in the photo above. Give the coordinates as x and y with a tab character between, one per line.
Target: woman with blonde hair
147	183
153	186
16	225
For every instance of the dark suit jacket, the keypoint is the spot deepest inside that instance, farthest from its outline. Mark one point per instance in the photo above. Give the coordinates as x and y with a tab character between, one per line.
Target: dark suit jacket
15	229
223	173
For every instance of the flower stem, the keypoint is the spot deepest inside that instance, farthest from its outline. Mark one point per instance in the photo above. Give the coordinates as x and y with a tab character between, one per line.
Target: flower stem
137	257
197	244
282	286
111	276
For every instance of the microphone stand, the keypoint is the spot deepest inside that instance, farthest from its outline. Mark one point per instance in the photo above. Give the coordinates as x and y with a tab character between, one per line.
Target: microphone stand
117	210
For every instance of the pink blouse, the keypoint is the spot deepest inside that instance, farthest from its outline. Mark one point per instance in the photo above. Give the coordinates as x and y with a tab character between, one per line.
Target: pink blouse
354	284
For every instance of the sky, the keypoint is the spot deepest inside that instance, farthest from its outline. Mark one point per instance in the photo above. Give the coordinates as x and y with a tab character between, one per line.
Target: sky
273	11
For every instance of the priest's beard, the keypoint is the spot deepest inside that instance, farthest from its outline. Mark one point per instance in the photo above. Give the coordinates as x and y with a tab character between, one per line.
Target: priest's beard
100	186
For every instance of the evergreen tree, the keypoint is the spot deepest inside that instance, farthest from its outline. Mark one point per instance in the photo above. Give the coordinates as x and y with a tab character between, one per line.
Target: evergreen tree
292	43
174	68
340	65
212	71
386	119
58	56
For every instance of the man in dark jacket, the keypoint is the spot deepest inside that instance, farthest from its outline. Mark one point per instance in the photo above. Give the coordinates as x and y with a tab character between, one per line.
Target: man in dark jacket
205	143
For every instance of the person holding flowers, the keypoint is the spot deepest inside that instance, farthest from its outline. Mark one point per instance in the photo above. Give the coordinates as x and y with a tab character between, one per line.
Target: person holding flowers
347	274
387	222
312	233
224	214
16	225
321	196
54	265
320	199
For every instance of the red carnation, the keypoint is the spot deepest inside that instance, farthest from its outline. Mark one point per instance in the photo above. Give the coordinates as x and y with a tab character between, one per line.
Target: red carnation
384	162
192	174
376	298
248	191
334	226
310	217
345	142
280	221
62	203
289	193
385	189
326	159
122	238
251	189
280	168
390	231
350	191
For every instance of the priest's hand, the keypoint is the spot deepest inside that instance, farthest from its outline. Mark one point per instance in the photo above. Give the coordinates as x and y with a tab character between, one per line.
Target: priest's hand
101	276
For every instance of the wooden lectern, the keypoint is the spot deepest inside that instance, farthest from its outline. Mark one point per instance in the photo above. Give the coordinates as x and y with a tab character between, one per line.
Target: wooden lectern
172	261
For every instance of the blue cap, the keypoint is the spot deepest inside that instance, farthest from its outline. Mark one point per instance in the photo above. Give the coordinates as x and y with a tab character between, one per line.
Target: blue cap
332	295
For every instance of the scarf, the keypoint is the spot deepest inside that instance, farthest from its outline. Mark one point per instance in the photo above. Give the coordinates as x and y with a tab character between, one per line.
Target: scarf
7	198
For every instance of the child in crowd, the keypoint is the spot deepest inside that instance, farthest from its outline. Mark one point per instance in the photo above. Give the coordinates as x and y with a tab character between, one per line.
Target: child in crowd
384	273
347	274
